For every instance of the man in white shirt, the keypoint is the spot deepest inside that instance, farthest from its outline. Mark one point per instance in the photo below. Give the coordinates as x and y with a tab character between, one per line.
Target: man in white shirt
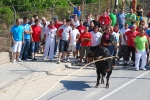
122	41
64	40
74	36
76	21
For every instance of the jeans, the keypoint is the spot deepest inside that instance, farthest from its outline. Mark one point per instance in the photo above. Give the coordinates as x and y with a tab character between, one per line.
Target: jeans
63	46
55	47
25	49
111	49
35	47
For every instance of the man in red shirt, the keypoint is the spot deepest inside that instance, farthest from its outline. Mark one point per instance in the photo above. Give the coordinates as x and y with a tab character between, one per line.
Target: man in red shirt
85	44
104	19
81	29
36	36
129	37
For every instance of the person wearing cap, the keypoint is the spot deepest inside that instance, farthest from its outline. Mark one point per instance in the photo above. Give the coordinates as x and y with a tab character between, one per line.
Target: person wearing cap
141	49
64	40
49	38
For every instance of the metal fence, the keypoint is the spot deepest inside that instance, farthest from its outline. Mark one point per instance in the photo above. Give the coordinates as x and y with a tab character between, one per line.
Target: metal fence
7	20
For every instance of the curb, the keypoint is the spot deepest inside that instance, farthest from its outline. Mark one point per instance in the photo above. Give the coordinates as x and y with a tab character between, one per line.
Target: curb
32	77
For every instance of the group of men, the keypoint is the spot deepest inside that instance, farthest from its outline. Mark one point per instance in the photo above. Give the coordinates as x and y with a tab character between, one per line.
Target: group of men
116	31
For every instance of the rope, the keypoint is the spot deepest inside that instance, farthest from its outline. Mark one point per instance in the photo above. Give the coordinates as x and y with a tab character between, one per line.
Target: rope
73	74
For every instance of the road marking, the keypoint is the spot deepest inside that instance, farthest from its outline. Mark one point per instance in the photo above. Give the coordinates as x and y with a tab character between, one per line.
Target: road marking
124	85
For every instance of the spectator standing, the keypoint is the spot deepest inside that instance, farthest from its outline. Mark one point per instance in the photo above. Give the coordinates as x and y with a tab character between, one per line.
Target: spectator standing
77	10
76	21
121	18
57	24
90	17
96	21
141	49
139	14
50	35
36	38
129	37
130	17
91	27
44	26
31	22
122	42
113	17
81	29
64	41
148	33
85	44
96	38
74	36
142	23
104	19
17	37
87	21
27	38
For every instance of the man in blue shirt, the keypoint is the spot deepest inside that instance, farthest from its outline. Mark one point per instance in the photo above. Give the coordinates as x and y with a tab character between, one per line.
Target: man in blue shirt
27	37
121	18
76	11
17	37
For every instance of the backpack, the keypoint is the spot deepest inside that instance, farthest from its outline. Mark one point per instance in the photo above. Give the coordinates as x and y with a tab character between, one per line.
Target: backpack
112	39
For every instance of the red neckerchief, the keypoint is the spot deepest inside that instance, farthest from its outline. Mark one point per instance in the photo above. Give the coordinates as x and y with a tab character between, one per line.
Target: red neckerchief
51	27
116	31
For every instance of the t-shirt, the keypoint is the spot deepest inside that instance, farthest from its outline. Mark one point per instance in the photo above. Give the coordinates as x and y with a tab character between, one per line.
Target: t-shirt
76	23
122	31
130	37
73	36
50	34
26	27
104	39
96	23
81	29
66	31
36	33
133	16
113	18
85	35
140	42
116	35
96	38
76	11
121	18
148	32
17	32
57	25
43	29
104	20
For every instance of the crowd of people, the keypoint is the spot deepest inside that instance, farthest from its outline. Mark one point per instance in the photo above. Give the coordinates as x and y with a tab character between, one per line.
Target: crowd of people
124	35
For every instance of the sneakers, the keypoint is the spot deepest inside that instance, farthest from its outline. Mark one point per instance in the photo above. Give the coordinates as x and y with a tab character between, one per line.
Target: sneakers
143	69
58	62
80	64
137	68
44	59
14	60
68	60
34	59
19	60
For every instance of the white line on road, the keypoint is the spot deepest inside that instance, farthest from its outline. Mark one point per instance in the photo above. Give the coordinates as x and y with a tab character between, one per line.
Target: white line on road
124	85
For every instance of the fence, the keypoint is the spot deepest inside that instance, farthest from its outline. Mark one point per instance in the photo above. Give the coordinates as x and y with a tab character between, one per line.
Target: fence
7	20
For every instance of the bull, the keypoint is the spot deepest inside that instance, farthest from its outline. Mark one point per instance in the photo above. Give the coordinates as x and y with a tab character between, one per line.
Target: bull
103	67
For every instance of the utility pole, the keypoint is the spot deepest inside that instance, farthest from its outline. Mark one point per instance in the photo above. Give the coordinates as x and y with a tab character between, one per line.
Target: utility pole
116	4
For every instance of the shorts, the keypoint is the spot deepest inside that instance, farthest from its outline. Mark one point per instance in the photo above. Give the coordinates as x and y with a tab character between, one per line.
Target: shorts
63	45
72	48
17	46
92	48
83	50
34	47
78	46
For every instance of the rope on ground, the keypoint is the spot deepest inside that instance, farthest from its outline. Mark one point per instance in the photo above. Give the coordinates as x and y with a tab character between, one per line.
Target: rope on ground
74	73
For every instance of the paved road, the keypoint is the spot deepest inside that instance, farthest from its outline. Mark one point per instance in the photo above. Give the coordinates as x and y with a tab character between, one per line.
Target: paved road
125	84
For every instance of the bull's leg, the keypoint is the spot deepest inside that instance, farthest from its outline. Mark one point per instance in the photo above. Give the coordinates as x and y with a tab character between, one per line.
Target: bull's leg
102	80
107	78
98	78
